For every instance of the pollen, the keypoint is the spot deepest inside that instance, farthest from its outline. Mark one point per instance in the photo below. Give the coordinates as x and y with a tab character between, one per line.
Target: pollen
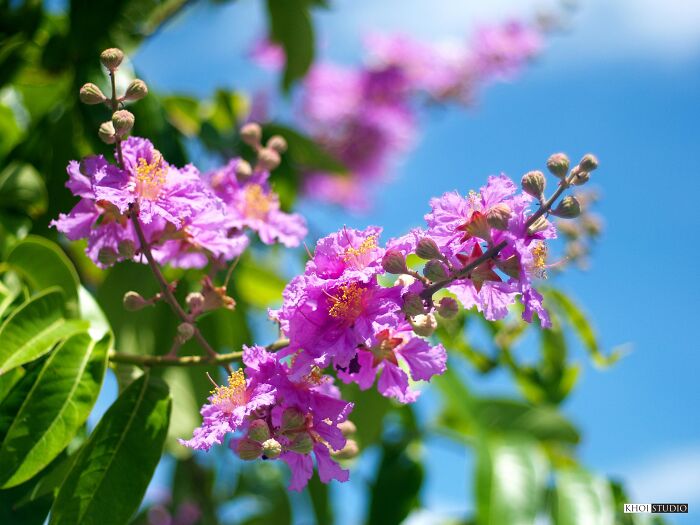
150	177
539	259
347	303
354	254
232	396
256	202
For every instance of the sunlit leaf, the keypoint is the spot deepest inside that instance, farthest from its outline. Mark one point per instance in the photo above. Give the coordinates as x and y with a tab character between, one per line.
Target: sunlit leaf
23	189
582	497
290	26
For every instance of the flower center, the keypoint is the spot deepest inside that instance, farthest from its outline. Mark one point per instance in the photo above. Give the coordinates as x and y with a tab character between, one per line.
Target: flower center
257	203
347	302
227	398
150	177
357	256
539	259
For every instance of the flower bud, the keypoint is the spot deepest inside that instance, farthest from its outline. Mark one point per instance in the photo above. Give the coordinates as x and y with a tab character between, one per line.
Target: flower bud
589	162
592	225
136	90
251	134
259	431
427	249
412	304
194	302
292	419
247	449
122	121
126	248
579	177
107	256
347	427
301	443
91	94
112	58
424	324
133	301
271	448
448	307
106	132
277	143
243	169
349	451
511	266
539	225
558	165
499	216
533	184
394	262
435	270
268	159
569	208
185	331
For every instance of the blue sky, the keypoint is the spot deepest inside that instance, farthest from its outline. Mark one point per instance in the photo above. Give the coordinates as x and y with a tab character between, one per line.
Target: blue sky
623	83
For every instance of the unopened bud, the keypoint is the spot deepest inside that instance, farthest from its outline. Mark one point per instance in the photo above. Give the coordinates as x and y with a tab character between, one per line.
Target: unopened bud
347	427
428	249
122	121
558	165
569	208
277	143
268	159
271	448
259	431
194	302
133	301
126	248
589	162
292	419
592	225
136	90
478	226
533	184
247	449
243	169
448	307
107	256
499	216
412	304
251	134
435	270
106	133
91	94
539	225
569	229
301	443
511	266
579	177
349	451
394	262
112	58
424	325
185	331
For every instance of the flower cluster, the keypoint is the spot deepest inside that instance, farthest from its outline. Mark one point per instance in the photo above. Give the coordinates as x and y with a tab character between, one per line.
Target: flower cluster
187	218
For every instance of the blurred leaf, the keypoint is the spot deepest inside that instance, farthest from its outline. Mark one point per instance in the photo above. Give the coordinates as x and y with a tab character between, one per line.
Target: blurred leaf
303	151
367	414
54	409
183	113
194	484
12	513
185	410
90	311
264	483
320	501
511	474
119	458
582	497
290	26
23	189
43	264
34	328
258	285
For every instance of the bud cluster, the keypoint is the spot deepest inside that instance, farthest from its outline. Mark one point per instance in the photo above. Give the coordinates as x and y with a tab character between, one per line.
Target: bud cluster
269	155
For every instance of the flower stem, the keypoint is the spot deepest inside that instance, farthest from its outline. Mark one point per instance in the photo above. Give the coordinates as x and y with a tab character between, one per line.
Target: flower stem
115	106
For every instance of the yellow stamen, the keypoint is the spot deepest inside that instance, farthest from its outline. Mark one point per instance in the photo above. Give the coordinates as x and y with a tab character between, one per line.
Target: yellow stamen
347	303
369	244
539	261
231	396
150	177
257	203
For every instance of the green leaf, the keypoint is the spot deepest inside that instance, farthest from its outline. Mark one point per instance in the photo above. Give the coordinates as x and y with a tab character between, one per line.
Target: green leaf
303	151
511	474
258	285
13	400
111	474
581	497
9	380
43	264
23	189
34	328
290	26
55	408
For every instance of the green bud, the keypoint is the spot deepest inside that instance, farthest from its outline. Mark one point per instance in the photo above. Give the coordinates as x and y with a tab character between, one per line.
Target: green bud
133	301
106	133
251	134
136	90
349	451
347	427
412	304
435	270
185	331
301	443
579	177
394	262
122	121
107	256
292	419
268	159
112	58
499	216
271	448
126	248
427	249
91	94
424	324
533	184
558	165
569	208
277	143
247	449
539	225
259	431
448	307
589	162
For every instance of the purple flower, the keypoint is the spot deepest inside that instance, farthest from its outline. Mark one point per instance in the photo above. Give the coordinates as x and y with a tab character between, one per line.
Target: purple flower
354	254
501	50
